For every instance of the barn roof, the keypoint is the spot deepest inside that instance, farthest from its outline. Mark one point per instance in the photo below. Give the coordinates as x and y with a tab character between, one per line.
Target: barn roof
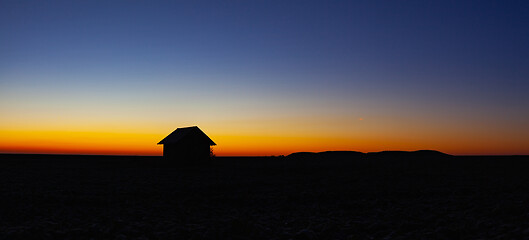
180	133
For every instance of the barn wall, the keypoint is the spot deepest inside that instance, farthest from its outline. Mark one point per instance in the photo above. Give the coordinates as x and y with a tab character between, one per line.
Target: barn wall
186	152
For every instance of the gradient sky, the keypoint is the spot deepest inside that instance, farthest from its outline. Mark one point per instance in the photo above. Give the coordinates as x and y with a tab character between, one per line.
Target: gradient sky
265	77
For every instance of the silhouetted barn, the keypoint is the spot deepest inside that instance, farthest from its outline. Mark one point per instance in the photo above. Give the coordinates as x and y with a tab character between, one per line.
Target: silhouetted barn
187	145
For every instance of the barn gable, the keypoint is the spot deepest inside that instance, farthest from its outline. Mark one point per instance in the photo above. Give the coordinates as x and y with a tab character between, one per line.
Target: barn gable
180	134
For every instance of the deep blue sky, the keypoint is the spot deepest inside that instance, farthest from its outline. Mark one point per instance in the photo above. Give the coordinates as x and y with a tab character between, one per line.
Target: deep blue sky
445	64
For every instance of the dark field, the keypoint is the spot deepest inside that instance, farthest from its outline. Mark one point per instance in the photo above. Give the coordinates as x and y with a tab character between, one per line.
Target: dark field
336	196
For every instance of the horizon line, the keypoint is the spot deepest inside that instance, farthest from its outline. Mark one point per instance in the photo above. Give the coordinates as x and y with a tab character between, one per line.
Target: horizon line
241	156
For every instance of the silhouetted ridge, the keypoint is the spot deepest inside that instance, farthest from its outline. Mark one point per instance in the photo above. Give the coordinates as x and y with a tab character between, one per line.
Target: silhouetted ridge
327	155
299	155
422	154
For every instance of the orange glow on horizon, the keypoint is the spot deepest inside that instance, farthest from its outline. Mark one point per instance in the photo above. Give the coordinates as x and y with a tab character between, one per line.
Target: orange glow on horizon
112	143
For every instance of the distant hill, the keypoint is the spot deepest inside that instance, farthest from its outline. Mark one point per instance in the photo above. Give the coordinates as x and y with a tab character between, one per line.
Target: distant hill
420	154
302	155
328	155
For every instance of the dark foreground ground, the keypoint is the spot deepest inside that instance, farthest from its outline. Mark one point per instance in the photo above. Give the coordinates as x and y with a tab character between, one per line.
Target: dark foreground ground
326	197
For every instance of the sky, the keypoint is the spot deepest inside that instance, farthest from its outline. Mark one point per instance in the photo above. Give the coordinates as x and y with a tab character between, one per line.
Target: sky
265	77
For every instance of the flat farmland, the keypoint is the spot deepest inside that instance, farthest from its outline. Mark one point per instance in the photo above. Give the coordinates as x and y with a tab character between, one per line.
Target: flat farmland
326	197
